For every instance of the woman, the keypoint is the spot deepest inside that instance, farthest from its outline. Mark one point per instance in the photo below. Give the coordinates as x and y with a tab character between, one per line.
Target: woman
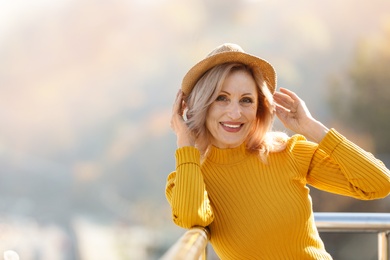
248	185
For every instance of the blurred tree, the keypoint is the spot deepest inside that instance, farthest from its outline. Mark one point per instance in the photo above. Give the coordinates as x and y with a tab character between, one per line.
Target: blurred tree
361	97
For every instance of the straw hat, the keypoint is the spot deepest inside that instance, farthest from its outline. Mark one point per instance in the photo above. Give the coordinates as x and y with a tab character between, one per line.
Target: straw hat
226	53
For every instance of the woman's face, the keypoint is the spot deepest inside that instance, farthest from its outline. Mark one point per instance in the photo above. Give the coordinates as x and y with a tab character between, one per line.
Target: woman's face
231	116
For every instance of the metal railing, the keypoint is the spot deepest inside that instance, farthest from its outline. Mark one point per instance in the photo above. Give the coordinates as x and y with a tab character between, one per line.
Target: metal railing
192	245
358	222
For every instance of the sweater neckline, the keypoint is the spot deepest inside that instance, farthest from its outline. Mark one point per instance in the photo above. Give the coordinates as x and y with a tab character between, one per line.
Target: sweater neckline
227	155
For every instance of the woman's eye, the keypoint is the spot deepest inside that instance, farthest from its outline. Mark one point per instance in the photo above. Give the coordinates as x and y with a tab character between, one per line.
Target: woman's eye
247	100
221	98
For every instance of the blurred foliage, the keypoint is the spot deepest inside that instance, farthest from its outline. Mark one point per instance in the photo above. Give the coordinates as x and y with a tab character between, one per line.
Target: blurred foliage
361	97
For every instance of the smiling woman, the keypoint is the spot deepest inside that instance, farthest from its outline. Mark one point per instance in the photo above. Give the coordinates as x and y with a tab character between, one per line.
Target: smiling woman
247	184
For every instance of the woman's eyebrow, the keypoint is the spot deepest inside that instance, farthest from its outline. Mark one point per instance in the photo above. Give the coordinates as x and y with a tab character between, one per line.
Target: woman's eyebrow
244	94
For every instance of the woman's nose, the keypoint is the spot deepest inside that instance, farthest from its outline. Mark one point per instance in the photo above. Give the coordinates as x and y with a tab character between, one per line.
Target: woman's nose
234	110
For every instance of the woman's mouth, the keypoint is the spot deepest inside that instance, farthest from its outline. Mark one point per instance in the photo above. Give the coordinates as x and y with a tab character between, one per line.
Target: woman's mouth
231	127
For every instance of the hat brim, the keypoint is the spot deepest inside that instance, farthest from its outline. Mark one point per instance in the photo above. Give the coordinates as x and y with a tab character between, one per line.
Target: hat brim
197	71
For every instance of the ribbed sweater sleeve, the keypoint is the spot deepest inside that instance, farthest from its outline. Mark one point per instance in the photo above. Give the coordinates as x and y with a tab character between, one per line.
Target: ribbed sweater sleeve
339	166
186	191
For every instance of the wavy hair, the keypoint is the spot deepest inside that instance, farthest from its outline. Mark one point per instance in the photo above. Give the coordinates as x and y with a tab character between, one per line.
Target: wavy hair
206	91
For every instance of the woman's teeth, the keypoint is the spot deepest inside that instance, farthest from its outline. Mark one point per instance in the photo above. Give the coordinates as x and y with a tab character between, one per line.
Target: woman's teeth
231	126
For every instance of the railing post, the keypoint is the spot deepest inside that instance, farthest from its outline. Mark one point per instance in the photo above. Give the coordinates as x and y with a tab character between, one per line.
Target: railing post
383	246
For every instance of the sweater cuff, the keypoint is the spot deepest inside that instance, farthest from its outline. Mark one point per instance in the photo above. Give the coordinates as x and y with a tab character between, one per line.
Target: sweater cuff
331	140
187	154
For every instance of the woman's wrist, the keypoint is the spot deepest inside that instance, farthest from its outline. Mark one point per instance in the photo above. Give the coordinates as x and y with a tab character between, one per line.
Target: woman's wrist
316	131
184	141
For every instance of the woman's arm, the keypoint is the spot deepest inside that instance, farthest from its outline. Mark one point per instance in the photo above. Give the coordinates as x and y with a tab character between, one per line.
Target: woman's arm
185	189
340	166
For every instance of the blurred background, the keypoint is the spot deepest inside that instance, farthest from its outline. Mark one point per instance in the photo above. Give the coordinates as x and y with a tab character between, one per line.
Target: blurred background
86	89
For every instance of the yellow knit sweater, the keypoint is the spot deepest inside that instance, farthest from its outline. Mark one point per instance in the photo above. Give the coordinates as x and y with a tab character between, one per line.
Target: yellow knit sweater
257	210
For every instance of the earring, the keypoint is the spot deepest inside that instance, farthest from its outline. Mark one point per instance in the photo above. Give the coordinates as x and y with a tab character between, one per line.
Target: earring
185	118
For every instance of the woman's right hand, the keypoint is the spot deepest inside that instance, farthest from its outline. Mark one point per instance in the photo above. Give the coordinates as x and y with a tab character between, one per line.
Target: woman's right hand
178	125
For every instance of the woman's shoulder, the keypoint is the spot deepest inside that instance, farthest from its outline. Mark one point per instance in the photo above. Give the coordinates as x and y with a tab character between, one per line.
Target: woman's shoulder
296	138
282	141
299	144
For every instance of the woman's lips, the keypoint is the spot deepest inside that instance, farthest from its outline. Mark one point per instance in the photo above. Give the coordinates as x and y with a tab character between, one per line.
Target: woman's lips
231	127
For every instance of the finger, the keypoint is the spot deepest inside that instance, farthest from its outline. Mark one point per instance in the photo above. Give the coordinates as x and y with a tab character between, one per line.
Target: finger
294	99
178	102
179	96
283	100
281	109
281	113
290	93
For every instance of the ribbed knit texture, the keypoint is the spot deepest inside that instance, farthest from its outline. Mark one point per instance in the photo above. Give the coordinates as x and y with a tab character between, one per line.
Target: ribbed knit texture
259	210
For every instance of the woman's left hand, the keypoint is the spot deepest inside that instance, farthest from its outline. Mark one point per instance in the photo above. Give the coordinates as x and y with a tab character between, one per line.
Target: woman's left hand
293	113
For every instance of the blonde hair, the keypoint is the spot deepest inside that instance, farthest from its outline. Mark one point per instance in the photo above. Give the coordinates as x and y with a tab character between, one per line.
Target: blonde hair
205	92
